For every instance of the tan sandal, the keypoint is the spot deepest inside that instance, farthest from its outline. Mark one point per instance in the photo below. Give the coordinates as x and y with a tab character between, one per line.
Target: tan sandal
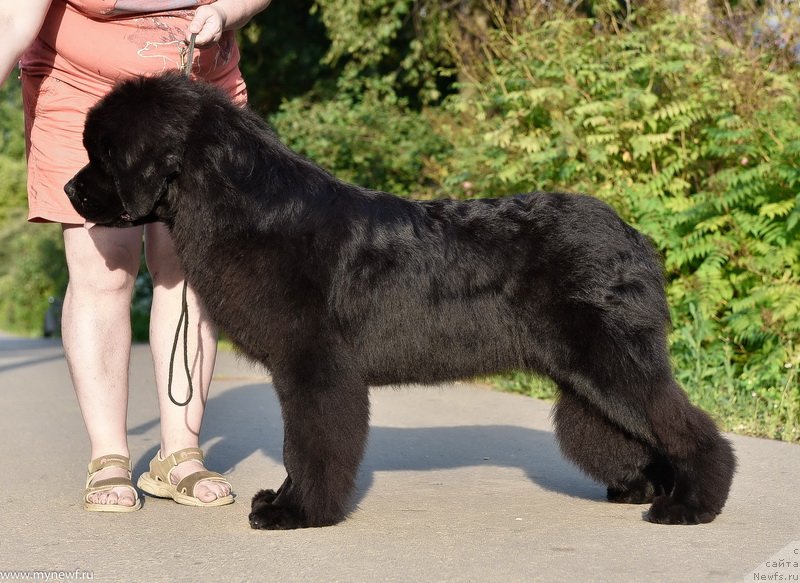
157	481
92	487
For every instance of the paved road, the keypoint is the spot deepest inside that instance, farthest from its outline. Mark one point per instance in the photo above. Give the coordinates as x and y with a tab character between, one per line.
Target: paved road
459	484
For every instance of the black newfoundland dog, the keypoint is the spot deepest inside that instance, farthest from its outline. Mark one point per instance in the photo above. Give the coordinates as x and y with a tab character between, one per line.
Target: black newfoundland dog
336	288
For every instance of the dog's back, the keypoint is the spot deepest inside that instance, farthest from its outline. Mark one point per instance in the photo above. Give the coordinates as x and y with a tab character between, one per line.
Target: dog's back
445	289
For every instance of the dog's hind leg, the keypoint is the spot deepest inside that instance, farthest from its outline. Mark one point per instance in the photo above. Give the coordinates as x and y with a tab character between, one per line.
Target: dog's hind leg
702	458
613	354
688	452
632	470
649	405
326	421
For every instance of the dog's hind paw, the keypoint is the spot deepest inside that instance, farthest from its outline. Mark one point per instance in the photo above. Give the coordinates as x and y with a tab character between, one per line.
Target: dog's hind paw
666	510
642	493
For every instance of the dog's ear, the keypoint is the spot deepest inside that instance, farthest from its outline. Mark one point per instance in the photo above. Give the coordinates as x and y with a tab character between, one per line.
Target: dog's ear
141	185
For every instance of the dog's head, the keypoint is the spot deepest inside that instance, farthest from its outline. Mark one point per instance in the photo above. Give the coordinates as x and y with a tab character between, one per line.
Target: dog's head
135	138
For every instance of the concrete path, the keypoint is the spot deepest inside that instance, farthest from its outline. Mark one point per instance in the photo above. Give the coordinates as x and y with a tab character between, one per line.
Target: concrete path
459	483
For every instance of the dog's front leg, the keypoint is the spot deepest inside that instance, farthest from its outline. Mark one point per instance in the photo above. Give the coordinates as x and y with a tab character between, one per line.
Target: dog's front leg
326	420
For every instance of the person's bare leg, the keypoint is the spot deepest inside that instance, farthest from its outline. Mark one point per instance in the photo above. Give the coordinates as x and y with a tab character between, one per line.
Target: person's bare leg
103	264
180	426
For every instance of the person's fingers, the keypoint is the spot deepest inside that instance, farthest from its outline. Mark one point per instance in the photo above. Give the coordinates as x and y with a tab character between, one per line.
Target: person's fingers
207	24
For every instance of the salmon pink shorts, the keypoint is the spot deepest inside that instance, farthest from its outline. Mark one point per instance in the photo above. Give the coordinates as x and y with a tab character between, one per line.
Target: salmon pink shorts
82	50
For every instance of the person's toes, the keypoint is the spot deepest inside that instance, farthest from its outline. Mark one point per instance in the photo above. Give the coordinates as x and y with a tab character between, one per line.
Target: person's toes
205	490
121	496
126	498
218	489
213	492
204	493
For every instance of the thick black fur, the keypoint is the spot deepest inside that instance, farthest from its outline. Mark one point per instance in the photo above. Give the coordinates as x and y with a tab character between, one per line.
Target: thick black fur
336	288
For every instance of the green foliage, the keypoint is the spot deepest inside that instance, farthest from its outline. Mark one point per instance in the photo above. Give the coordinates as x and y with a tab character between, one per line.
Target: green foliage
140	305
688	128
687	124
12	150
696	141
12	141
373	142
283	52
394	46
31	272
527	384
32	266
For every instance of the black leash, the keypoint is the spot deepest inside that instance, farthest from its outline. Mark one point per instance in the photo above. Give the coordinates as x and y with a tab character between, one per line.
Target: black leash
184	319
186	58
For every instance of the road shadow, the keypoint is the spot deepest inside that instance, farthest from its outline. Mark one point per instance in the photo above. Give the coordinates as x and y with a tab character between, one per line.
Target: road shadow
43	349
247	419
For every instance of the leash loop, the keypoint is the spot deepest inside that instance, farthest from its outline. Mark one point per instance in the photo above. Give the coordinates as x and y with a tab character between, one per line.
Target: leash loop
187	55
183	320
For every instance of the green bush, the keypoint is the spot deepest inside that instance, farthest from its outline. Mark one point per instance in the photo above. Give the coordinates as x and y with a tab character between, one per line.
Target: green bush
32	268
12	150
690	131
696	141
31	272
375	142
687	125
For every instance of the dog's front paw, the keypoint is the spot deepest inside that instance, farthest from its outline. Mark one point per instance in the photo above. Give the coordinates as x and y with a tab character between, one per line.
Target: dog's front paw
666	510
266	515
263	497
272	517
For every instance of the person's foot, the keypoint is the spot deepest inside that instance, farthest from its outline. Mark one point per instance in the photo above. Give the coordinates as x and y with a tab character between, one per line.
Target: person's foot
121	496
205	490
109	487
182	476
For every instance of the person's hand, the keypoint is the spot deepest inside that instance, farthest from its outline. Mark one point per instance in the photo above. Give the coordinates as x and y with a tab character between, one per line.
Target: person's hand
208	23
